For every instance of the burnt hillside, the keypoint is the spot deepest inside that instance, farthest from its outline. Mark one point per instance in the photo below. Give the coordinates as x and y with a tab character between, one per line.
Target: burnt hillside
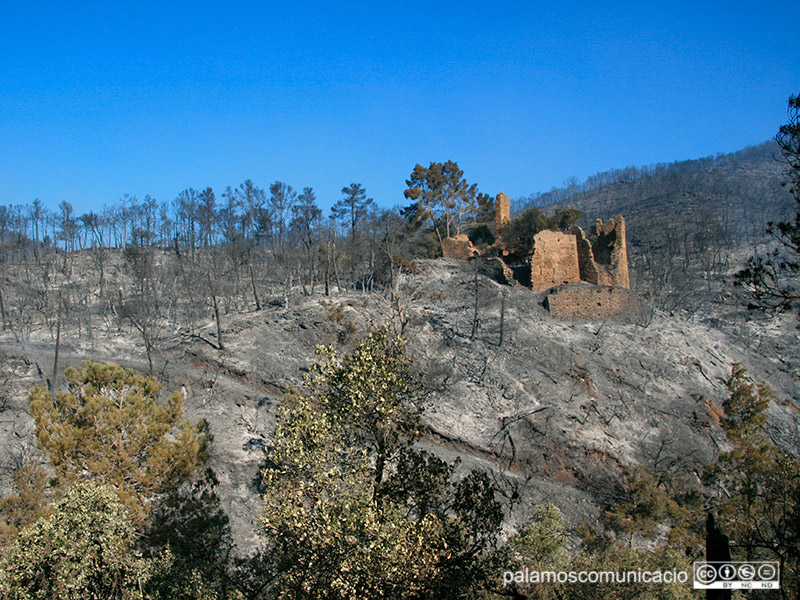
742	189
552	413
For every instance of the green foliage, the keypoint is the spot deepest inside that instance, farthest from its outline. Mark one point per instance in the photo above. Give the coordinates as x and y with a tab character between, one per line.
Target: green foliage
306	217
519	234
352	510
647	504
420	481
108	426
482	236
82	550
442	196
619	558
654	526
352	208
541	540
330	535
540	546
485	208
565	218
191	524
745	408
478	516
759	500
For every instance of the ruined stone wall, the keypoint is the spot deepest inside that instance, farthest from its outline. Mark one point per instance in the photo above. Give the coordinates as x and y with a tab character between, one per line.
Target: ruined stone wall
591	302
555	260
458	247
610	252
561	258
586	264
502	211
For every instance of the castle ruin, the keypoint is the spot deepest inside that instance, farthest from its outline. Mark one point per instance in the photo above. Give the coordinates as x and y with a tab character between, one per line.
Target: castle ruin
561	258
560	261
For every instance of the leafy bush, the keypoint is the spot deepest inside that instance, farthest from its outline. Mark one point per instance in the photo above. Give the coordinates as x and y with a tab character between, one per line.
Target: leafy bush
82	550
352	509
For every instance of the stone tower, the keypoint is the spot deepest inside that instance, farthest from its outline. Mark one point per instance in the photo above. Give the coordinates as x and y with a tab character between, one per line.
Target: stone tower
502	211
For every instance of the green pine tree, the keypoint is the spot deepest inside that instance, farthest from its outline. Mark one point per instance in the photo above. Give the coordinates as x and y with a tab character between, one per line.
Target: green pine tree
109	426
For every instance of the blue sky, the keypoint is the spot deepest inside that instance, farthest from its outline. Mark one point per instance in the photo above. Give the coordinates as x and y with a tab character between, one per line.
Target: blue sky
102	99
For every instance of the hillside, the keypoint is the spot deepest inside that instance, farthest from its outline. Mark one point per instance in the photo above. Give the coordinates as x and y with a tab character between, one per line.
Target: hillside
552	414
742	188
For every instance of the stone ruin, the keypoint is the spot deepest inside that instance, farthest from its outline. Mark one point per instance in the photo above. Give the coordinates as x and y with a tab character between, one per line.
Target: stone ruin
586	302
586	278
459	247
502	211
561	258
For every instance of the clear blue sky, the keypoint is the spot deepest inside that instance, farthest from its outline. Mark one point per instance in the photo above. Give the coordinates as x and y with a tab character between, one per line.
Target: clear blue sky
102	99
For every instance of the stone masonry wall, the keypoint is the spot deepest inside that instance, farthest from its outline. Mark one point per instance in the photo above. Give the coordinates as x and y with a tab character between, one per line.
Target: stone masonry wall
586	264
591	302
555	260
458	247
562	258
610	253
